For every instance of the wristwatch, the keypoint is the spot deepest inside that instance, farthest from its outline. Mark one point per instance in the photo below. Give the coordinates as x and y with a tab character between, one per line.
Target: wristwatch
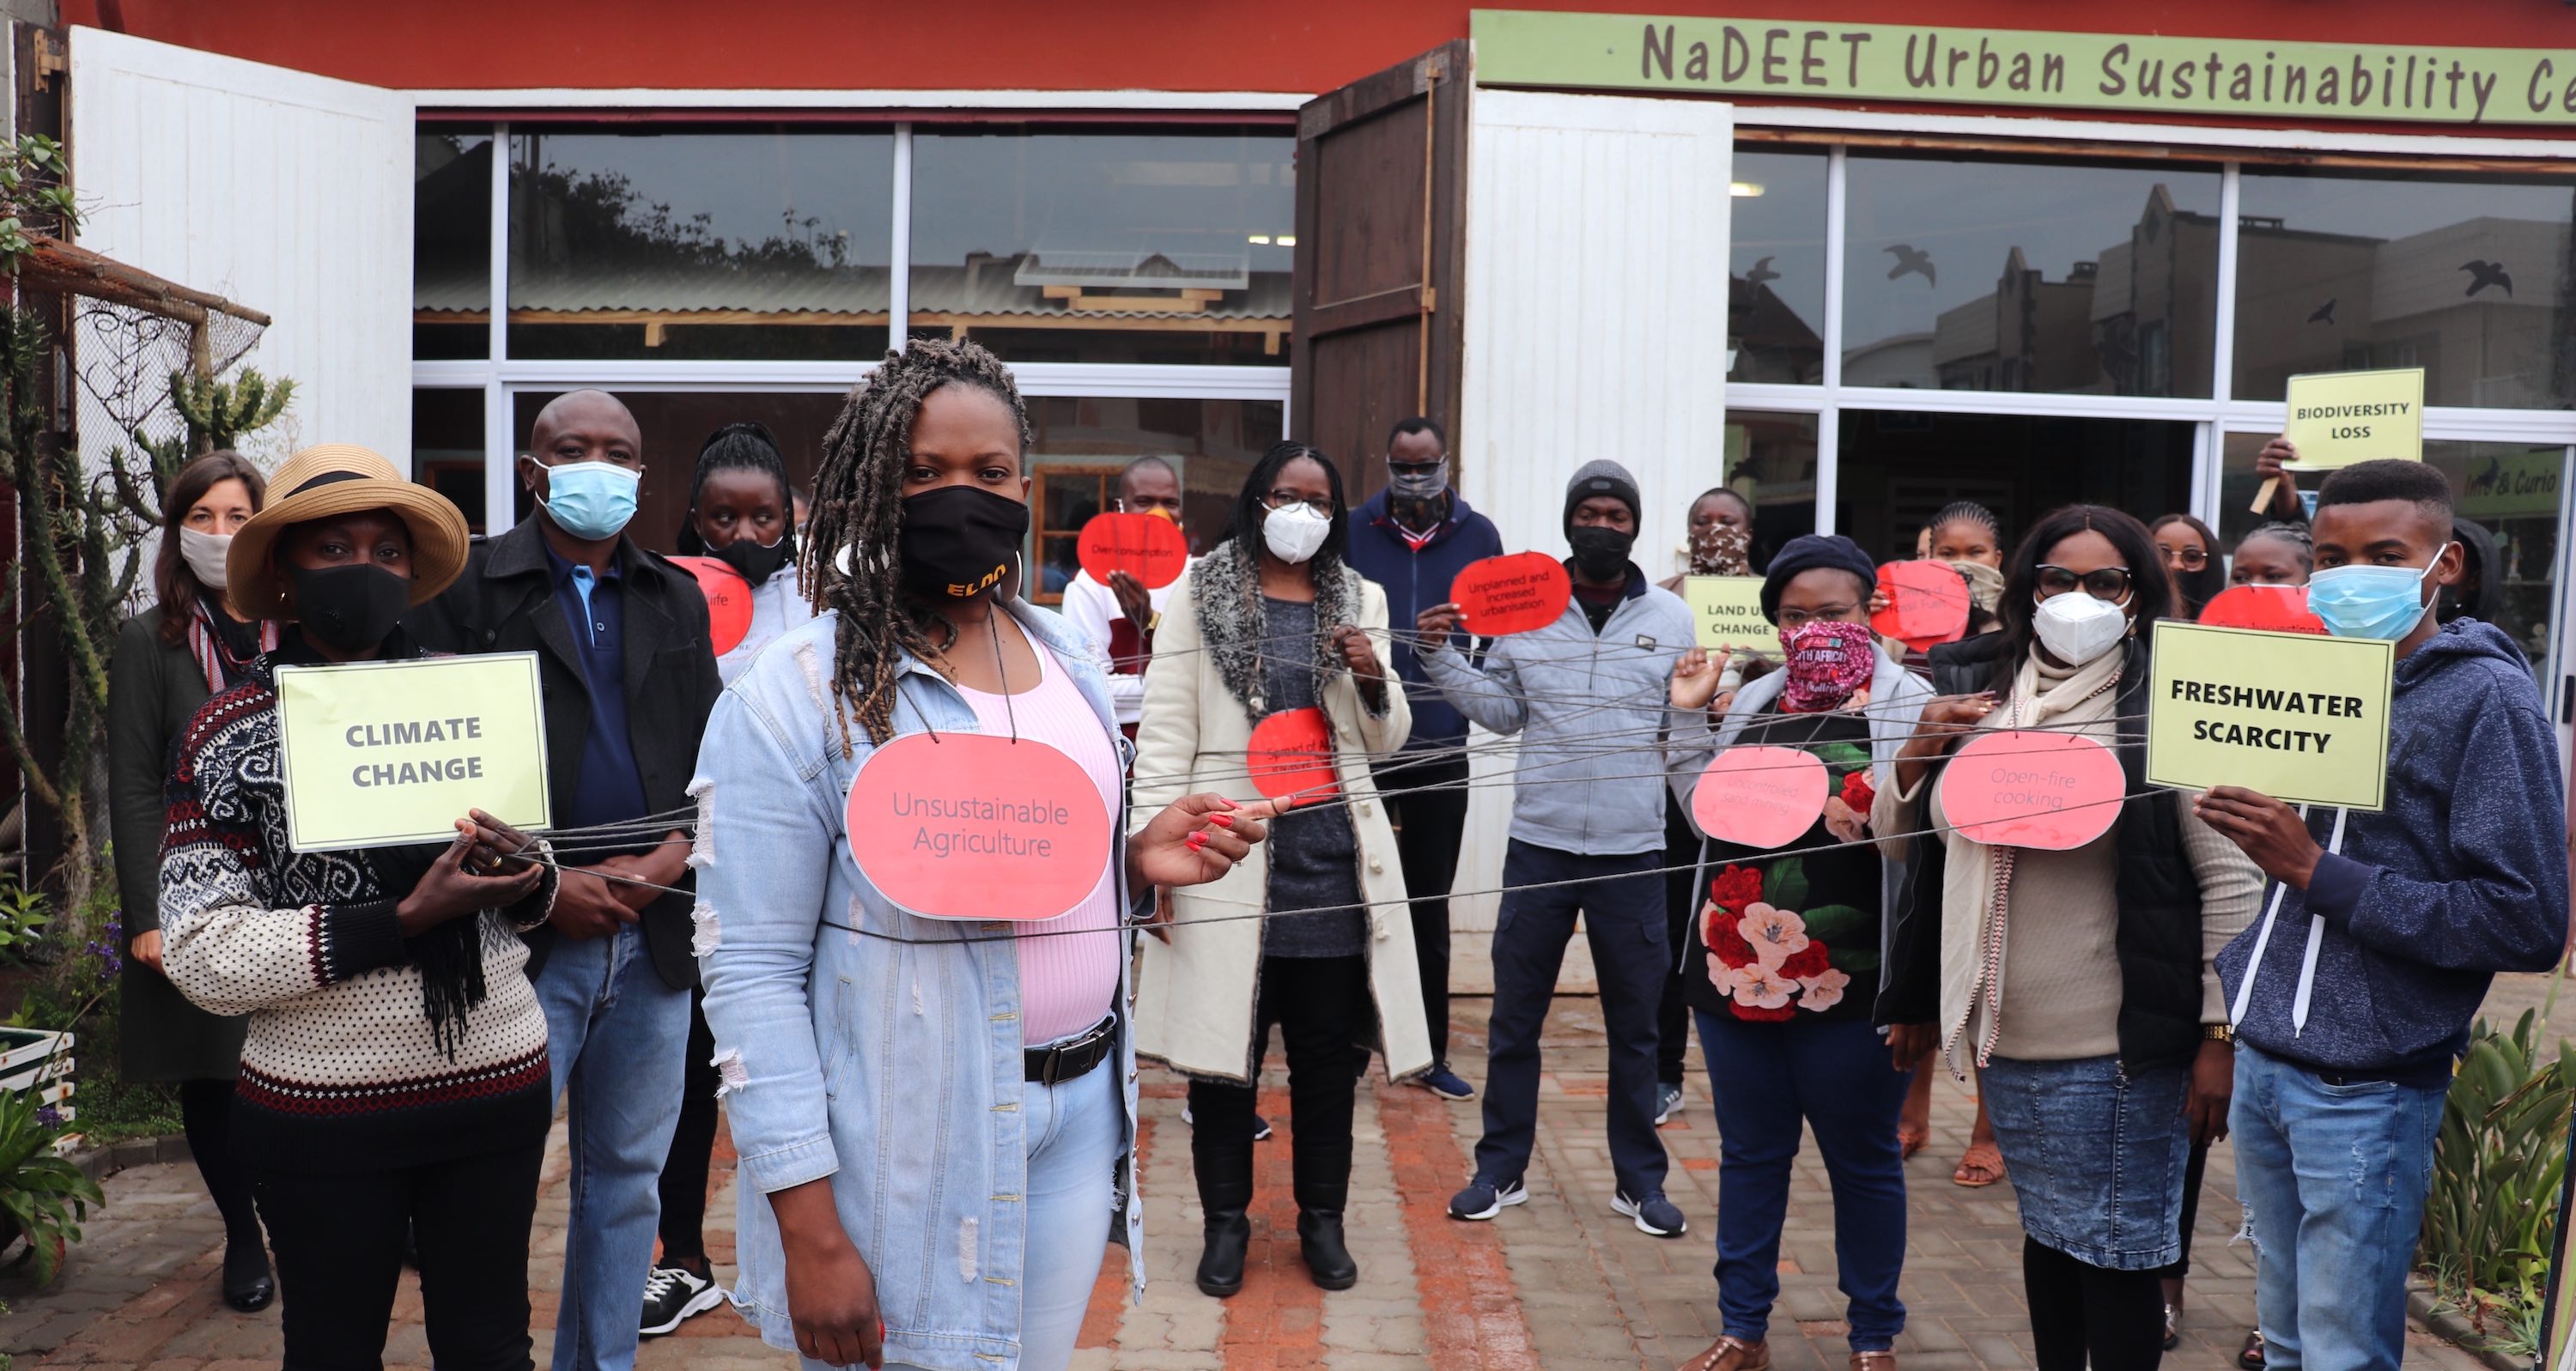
2218	1033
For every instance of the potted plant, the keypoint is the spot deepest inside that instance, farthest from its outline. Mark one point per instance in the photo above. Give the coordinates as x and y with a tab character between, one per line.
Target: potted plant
43	1197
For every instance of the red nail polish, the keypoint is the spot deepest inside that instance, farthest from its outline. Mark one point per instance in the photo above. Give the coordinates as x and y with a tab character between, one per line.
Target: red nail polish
1228	803
1222	820
1195	841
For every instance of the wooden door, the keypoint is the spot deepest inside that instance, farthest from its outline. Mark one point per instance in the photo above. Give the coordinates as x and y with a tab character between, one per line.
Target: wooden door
1381	231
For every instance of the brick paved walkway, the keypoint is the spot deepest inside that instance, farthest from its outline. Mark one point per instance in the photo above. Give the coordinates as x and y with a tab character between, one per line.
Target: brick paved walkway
1561	1283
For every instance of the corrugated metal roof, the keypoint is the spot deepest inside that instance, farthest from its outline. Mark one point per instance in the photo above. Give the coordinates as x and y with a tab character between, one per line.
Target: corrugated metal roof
980	285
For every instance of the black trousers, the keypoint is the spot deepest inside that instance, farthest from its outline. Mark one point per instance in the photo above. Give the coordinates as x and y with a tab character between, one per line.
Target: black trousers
206	1113
2193	1169
339	1241
1430	817
1322	1006
1681	901
2090	1317
693	1143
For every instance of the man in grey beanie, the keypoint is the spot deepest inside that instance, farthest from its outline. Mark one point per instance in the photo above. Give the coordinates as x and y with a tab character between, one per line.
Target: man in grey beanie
1586	694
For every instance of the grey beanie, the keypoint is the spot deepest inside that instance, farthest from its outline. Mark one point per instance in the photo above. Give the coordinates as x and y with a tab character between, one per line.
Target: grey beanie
1603	477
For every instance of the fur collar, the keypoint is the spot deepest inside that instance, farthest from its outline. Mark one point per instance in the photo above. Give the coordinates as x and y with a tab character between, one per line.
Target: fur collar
1226	588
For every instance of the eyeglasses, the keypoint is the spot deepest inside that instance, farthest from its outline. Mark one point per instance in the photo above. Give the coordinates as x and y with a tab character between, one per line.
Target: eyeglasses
2102	583
1321	504
1800	618
2188	558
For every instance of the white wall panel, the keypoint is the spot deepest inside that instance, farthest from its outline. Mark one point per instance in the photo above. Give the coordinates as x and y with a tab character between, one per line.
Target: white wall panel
1596	295
288	192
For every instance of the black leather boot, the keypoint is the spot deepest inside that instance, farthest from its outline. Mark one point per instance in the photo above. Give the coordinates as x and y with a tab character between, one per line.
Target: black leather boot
1221	1262
1319	1241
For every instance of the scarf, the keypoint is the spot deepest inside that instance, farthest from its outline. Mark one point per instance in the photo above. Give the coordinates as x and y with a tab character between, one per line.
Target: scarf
215	657
1721	550
1225	588
1972	940
1828	660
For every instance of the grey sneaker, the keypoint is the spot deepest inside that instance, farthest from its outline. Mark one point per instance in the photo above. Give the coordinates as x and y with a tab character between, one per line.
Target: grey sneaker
1668	1102
1655	1216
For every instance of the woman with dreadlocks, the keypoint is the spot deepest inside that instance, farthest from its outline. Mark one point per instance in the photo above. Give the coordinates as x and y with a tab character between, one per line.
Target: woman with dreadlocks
936	1119
1272	623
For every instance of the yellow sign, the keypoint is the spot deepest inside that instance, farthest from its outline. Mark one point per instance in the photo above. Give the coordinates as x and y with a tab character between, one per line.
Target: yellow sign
2338	418
385	753
1728	610
2296	716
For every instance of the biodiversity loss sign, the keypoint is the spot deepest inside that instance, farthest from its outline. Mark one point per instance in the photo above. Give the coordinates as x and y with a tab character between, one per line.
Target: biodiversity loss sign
2294	716
383	753
2141	73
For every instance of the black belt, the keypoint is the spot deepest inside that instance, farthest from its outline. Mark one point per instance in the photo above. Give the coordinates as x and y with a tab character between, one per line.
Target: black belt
1070	1061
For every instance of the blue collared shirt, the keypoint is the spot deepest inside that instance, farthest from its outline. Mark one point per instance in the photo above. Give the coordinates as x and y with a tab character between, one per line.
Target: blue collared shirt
611	785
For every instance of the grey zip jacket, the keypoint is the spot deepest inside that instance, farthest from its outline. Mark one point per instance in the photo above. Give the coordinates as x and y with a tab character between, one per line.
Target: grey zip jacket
1589	709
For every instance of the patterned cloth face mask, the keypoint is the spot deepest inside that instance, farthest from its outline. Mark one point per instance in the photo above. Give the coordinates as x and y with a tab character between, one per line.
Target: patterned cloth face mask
1828	660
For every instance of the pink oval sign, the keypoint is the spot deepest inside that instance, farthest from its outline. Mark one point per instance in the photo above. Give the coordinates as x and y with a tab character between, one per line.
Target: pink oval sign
1760	796
972	826
2033	788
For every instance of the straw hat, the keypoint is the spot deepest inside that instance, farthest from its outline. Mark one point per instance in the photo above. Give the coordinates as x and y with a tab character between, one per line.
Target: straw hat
333	479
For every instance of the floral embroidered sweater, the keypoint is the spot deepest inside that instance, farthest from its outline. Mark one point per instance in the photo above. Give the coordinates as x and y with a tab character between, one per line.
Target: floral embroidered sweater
341	1069
1794	938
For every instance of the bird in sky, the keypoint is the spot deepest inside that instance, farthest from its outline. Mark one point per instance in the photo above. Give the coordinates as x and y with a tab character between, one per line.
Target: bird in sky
1760	273
2485	274
2325	312
1912	259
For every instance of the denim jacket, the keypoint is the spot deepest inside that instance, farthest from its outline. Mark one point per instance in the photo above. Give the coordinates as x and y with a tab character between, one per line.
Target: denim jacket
895	1067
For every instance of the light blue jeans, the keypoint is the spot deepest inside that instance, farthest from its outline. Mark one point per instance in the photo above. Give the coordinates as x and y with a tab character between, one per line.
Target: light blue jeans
617	1034
2333	1177
1074	1134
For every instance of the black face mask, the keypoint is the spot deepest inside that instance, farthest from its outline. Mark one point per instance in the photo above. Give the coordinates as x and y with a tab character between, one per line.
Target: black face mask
958	541
1600	553
350	608
757	563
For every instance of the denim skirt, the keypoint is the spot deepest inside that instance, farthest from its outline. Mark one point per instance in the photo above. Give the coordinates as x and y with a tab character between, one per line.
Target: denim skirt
2096	1156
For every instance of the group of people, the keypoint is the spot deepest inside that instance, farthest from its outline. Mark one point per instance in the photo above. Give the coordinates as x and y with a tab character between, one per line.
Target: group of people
936	1119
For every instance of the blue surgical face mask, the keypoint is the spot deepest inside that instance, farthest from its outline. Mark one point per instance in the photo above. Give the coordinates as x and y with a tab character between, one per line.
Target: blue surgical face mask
591	500
2382	602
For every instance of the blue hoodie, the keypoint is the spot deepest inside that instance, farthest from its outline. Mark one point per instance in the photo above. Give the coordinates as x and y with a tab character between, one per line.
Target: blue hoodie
2464	874
1413	582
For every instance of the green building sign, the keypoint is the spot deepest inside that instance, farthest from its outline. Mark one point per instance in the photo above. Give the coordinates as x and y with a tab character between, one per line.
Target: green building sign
2133	73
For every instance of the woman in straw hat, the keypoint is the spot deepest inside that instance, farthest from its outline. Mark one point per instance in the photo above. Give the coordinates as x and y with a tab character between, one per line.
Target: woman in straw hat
394	1076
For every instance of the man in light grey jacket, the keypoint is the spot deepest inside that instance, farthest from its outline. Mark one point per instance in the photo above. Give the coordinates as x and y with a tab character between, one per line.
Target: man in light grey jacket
1587	696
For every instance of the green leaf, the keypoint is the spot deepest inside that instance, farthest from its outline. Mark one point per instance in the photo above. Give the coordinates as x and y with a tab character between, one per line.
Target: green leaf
1784	885
1836	924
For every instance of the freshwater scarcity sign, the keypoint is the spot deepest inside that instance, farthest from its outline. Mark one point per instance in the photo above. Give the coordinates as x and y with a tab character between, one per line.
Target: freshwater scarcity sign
380	753
2292	715
2141	73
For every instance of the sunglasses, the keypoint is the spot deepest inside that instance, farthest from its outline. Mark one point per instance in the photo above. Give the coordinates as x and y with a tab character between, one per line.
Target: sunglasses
2103	583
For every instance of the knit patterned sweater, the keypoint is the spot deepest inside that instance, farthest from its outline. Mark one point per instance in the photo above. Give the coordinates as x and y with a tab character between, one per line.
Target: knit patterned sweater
341	1069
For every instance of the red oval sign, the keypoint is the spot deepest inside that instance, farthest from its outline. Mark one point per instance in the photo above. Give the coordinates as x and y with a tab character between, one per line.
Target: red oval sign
1760	796
2033	788
728	600
973	826
1148	547
2274	609
1291	757
1927	603
1498	596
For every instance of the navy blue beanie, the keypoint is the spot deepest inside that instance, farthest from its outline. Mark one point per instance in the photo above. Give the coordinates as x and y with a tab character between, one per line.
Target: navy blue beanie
1808	552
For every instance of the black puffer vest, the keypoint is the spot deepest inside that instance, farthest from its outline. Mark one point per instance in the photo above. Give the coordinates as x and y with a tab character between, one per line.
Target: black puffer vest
2158	935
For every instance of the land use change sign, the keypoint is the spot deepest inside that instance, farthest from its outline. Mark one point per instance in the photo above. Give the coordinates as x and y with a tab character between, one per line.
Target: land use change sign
2290	715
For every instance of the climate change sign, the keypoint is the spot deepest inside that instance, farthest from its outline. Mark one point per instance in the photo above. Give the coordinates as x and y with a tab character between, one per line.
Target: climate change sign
2139	73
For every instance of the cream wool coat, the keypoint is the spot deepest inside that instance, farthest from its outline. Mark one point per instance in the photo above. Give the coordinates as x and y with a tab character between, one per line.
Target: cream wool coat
1195	997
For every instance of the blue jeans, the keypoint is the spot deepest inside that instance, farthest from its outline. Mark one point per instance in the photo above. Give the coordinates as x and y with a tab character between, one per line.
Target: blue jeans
1621	900
617	1034
1074	1132
2333	1177
1769	1079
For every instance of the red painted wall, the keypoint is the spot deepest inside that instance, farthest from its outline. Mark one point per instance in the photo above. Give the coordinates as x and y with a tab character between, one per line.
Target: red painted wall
1309	45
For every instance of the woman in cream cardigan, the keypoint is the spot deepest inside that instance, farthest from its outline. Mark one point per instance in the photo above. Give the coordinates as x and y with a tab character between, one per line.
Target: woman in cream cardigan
1270	621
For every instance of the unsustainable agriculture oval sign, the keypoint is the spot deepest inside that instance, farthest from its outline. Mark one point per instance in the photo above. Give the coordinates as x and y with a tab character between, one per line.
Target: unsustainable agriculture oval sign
974	826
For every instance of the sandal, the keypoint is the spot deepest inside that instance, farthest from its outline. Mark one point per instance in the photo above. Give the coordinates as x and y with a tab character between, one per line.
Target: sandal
2251	1355
1733	1354
1981	1166
2173	1328
1911	1137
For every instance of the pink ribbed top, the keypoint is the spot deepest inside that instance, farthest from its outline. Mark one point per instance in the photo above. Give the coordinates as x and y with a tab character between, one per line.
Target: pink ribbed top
1067	982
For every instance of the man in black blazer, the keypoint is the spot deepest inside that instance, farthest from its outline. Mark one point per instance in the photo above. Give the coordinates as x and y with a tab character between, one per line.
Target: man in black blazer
629	675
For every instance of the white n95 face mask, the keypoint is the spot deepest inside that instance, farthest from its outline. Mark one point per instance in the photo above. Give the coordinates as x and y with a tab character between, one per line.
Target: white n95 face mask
2076	628
1295	533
